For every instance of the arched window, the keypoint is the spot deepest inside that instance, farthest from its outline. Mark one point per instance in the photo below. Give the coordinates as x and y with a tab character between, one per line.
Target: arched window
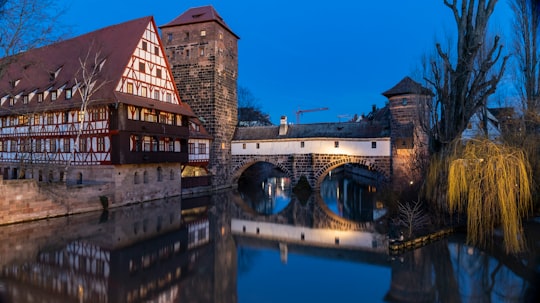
136	178
79	178
145	177
40	175
159	174
171	175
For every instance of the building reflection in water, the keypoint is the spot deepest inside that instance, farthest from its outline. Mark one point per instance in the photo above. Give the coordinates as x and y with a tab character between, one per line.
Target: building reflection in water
160	252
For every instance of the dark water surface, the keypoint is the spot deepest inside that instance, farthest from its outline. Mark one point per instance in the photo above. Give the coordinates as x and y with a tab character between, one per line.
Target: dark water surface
194	250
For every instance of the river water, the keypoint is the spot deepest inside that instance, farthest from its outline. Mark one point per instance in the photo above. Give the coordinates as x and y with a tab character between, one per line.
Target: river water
198	250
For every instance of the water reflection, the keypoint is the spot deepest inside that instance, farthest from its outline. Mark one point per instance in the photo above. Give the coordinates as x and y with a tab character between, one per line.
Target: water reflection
185	251
265	189
350	194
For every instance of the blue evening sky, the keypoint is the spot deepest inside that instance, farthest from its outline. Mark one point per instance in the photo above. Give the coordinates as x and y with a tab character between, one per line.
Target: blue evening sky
305	54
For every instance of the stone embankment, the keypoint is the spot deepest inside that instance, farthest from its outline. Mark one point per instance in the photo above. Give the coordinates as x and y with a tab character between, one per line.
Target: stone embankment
26	200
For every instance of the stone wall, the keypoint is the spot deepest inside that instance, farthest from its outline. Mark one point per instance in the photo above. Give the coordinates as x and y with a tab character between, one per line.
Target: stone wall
205	70
313	166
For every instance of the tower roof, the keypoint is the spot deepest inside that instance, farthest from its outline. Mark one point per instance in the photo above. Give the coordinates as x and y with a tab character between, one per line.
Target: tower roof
407	86
199	15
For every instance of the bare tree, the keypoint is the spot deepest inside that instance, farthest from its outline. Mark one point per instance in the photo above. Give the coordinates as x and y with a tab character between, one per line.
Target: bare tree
88	81
412	216
249	110
463	83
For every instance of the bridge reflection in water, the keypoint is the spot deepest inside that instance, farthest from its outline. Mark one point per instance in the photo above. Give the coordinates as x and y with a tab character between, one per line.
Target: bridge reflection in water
194	250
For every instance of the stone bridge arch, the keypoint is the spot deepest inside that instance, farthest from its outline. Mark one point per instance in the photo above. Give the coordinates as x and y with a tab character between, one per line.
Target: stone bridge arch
240	164
380	167
313	166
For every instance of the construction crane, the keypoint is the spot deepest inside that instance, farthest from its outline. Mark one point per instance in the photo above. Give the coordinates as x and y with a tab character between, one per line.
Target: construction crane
299	112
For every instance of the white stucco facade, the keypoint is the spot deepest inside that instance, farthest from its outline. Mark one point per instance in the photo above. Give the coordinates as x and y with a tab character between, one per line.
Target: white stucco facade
334	146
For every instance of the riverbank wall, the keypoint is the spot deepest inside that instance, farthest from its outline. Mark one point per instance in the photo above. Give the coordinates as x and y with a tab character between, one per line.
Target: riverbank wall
27	200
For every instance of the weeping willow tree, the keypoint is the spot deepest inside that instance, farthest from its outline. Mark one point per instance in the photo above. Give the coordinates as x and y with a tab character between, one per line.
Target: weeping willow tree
491	184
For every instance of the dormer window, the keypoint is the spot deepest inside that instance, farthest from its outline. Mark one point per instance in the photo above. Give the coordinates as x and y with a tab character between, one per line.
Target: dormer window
11	101
54	75
14	83
54	95
40	97
68	93
25	99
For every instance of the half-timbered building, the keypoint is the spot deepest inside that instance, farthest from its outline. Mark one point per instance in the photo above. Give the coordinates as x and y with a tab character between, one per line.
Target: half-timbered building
101	107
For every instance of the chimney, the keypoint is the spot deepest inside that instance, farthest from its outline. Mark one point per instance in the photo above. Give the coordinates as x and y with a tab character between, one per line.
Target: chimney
283	126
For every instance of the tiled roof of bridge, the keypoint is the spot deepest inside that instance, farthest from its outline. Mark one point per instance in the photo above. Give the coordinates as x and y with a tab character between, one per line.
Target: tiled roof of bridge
316	130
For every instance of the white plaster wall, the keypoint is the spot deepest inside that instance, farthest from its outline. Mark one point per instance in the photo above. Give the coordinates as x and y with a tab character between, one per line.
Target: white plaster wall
353	147
326	237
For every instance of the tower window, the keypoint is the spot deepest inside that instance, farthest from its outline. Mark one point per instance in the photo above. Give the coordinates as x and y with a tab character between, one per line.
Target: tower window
169	37
201	51
302	144
336	144
258	145
404	101
374	144
203	33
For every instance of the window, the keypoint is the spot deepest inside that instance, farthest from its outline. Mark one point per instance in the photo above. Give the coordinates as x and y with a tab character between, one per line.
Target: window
144	45
25	99
38	146
159	174
145	180
203	33
142	67
158	72
130	88
186	36
169	97
67	145
144	91
101	144
156	95
201	51
50	118
52	145
68	93
40	97
336	144
220	36
156	50
202	148
11	101
302	144
136	179
53	95
258	145
171	145
13	146
404	101
36	119
374	144
243	145
191	147
82	145
169	37
187	53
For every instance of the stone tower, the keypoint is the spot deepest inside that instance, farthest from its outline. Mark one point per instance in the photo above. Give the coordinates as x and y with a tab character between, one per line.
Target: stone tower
203	54
407	102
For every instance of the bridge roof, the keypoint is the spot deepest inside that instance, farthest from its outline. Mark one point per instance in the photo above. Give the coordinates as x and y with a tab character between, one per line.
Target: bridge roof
315	130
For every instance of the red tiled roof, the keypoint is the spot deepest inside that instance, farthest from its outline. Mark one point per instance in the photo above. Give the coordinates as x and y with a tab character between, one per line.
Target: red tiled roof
33	68
199	15
407	86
